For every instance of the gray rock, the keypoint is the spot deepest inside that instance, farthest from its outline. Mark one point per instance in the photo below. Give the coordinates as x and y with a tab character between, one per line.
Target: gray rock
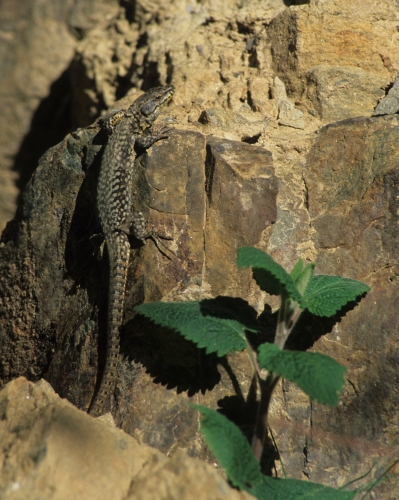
288	114
390	104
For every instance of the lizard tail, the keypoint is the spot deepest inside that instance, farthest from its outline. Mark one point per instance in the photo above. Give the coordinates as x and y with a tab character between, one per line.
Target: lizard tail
119	252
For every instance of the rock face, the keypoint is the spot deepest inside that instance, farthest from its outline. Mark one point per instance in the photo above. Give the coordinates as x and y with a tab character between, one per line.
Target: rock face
51	450
199	192
269	100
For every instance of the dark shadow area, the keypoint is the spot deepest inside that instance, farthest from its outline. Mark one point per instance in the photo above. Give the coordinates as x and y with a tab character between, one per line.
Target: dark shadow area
306	332
174	361
233	308
130	9
251	139
169	358
152	78
288	3
243	414
50	123
311	328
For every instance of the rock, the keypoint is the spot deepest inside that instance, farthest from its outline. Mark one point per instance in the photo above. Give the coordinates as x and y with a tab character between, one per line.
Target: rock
390	103
234	124
199	192
290	116
241	186
339	54
352	178
51	450
339	92
244	71
38	43
259	96
220	57
183	477
287	113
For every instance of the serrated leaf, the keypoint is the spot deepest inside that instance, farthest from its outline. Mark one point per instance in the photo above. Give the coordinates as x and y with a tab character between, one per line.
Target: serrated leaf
326	295
297	269
214	324
234	454
294	489
230	448
319	376
304	278
270	276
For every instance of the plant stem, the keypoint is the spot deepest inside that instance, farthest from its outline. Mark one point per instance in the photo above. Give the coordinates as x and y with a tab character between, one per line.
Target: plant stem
252	358
281	331
288	315
266	389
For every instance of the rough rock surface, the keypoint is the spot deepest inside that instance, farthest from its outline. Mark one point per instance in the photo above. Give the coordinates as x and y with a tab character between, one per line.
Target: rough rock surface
263	91
37	44
52	451
199	192
390	104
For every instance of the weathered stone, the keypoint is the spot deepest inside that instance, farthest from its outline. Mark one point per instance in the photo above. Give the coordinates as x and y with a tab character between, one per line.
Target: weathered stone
38	40
287	113
339	92
51	450
223	59
233	123
390	103
352	178
307	37
259	94
200	195
241	186
290	116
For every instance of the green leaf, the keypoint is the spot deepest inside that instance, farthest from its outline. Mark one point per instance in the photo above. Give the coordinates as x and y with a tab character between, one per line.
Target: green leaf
295	273
304	278
294	489
218	325
326	295
234	454
230	448
270	276
319	376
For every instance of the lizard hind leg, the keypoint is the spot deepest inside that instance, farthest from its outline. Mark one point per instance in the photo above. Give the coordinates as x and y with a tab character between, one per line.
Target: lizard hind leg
136	226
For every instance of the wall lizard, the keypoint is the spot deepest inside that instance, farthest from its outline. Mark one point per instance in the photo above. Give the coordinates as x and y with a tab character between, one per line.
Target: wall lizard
114	201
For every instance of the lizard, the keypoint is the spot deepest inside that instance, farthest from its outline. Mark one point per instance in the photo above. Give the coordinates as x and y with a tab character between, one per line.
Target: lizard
117	218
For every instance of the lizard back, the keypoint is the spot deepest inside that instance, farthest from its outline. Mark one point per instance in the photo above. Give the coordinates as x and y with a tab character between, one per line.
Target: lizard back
114	201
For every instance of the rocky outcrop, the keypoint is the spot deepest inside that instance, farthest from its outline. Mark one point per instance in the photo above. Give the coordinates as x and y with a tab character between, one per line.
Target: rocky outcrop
200	194
49	449
263	92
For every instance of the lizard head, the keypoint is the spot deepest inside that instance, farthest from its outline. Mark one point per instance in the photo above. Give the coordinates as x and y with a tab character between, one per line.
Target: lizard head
148	105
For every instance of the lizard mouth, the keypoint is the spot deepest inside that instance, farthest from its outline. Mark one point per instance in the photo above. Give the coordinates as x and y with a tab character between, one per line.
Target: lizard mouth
155	99
164	94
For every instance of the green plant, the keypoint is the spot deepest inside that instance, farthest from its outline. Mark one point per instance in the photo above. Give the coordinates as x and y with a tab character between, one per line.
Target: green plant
213	325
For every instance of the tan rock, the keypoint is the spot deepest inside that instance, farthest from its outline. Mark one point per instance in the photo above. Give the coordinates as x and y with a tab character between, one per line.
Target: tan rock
37	41
340	92
341	48
181	477
52	451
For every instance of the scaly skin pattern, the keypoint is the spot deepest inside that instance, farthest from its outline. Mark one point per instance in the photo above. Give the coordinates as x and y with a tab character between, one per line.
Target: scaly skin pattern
114	200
